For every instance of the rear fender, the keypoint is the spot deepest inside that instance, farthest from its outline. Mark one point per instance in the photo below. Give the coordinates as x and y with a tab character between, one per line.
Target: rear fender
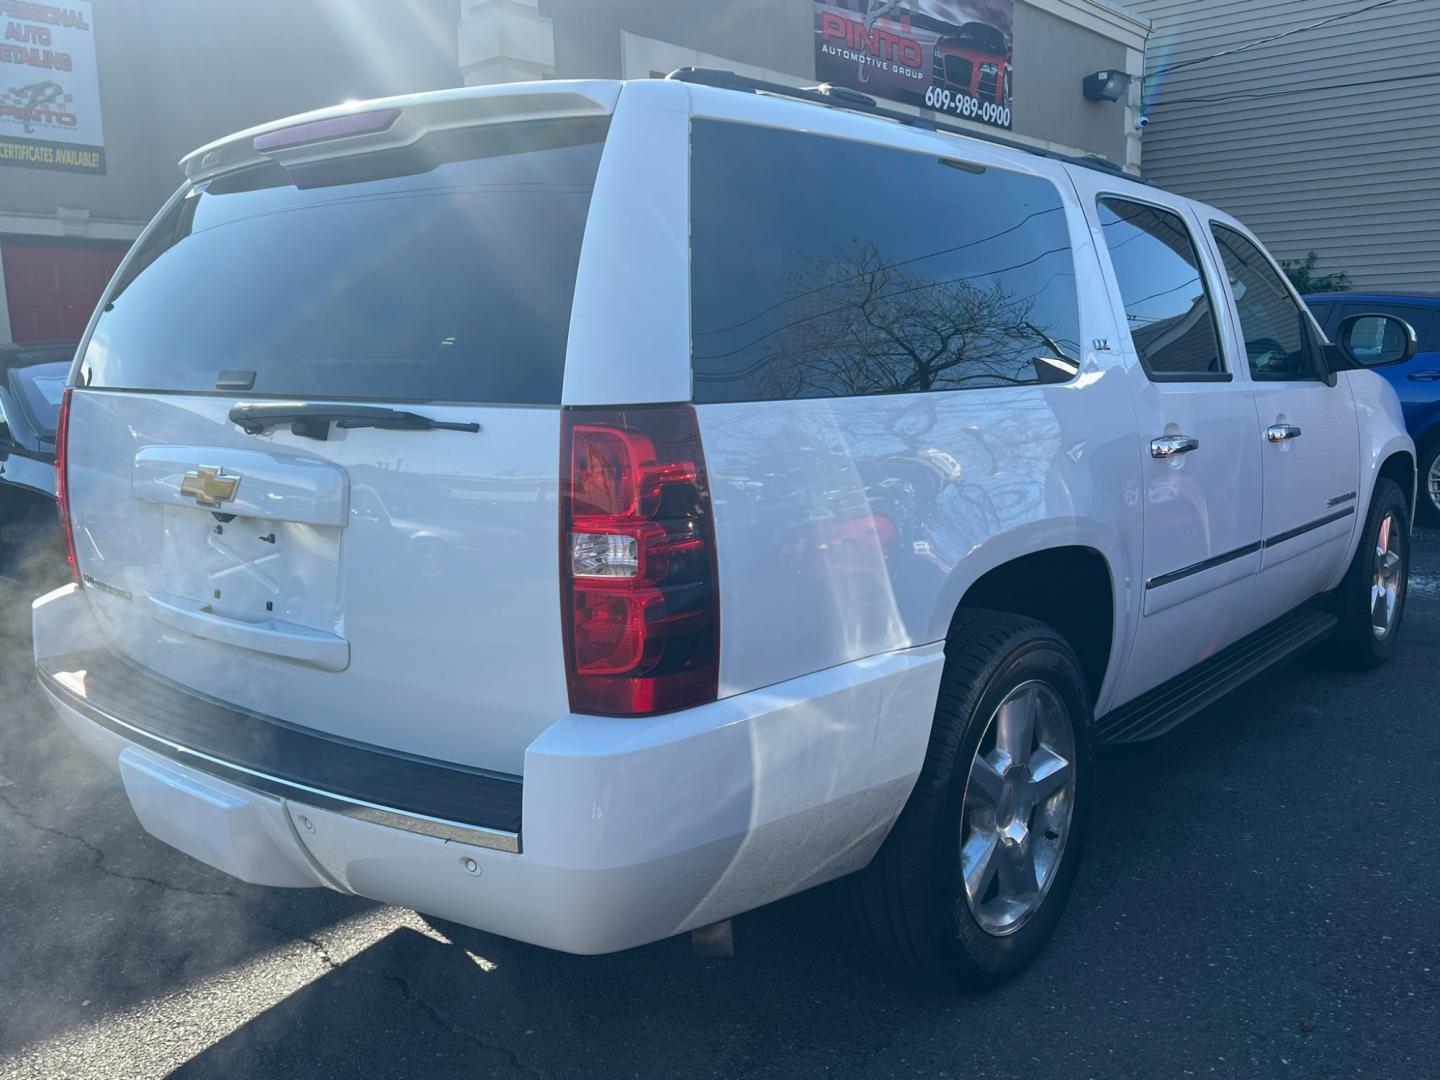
1120	548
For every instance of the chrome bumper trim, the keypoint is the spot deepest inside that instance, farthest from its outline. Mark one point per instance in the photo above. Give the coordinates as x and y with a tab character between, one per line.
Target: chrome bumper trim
450	831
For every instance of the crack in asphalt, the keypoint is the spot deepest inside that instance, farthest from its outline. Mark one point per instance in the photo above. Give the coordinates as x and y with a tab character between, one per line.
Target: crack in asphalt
314	944
430	1009
406	988
97	861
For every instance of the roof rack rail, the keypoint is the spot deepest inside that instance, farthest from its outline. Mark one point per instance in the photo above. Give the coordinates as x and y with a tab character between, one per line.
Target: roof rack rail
842	97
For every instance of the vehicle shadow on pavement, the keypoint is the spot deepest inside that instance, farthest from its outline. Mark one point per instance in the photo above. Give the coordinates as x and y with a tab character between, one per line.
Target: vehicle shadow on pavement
414	1005
1214	927
1214	922
97	916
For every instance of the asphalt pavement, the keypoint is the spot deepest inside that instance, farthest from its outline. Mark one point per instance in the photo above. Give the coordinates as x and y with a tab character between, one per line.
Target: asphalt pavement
1260	898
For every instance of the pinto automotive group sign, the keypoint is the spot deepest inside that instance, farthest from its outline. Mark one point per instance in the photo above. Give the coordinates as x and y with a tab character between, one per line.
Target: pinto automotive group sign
49	90
953	56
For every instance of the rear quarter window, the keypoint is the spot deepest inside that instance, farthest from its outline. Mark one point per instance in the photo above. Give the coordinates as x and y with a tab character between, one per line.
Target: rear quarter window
822	267
442	273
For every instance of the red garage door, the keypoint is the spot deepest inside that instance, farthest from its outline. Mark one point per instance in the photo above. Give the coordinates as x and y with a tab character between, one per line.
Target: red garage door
52	290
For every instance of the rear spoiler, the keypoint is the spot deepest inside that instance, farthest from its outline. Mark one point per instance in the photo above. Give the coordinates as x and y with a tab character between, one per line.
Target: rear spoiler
343	129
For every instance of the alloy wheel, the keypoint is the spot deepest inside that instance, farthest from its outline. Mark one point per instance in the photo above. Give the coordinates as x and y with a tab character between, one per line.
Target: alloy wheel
1018	804
1388	576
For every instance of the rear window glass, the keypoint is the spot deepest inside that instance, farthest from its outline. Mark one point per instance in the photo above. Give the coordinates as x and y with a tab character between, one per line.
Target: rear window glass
445	272
827	268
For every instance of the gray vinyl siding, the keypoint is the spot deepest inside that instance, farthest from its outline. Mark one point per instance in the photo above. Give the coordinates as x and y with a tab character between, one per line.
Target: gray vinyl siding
1352	172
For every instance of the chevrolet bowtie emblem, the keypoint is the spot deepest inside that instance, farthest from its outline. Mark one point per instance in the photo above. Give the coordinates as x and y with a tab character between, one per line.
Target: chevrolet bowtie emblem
208	486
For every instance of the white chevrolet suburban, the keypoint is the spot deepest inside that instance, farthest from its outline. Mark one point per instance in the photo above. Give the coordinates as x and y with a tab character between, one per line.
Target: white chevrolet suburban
586	511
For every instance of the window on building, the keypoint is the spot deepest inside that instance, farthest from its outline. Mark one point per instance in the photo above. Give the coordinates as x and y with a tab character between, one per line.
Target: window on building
1167	306
1271	319
824	267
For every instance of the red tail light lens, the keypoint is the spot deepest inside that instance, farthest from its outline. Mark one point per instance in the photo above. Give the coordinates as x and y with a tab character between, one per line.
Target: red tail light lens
62	482
641	605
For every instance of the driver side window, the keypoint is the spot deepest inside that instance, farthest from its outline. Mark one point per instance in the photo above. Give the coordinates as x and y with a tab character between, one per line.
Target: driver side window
1270	319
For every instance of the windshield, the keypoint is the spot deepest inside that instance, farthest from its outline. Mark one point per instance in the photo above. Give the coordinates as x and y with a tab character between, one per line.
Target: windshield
442	273
39	387
981	37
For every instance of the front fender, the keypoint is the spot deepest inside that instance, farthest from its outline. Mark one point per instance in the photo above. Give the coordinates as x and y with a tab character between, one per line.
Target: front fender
1426	432
1382	436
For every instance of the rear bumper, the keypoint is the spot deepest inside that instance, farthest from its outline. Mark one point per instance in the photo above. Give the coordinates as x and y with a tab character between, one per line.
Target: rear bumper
32	473
280	759
633	830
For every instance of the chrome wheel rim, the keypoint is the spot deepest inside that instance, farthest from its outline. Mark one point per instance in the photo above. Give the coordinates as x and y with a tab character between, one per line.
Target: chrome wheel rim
1432	483
1388	577
1018	803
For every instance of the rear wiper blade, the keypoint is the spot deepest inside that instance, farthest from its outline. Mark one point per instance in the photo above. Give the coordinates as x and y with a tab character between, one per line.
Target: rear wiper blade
313	419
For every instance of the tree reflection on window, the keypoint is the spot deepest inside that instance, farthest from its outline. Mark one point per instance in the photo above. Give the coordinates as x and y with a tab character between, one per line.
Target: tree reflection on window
823	267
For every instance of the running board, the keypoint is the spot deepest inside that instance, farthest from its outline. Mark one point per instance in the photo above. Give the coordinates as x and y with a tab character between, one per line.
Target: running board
1157	711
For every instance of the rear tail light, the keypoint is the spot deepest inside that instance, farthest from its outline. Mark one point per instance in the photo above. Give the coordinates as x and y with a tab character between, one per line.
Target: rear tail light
641	604
62	482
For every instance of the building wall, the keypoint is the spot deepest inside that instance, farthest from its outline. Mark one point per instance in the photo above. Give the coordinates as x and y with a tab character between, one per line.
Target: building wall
760	33
1052	58
175	74
1338	161
1056	44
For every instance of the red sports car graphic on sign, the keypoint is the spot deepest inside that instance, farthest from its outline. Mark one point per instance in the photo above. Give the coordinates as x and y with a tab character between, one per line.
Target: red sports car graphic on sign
975	61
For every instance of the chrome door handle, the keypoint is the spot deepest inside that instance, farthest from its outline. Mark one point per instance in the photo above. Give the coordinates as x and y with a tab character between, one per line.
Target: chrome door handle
1281	432
1168	446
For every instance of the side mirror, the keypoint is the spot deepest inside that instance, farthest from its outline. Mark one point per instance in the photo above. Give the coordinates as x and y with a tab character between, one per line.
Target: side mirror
1367	341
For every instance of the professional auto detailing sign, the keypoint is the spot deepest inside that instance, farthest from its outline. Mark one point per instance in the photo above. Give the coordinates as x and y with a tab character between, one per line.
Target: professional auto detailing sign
49	90
949	55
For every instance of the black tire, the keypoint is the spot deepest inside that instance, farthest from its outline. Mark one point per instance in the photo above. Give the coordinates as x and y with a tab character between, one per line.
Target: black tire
909	905
1356	645
1426	512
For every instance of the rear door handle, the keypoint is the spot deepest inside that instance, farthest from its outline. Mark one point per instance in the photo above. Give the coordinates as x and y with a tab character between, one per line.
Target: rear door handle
1281	432
1168	446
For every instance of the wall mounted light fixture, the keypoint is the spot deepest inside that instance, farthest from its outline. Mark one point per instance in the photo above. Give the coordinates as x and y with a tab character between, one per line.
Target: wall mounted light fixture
1109	85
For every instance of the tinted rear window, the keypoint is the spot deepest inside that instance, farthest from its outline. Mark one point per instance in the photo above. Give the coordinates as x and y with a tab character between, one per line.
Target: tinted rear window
822	267
441	273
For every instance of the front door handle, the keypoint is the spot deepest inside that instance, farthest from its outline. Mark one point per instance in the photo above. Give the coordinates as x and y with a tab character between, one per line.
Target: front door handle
1424	376
1168	446
1281	432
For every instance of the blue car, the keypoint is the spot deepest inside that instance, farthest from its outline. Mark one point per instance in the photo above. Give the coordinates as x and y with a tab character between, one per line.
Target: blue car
1417	382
